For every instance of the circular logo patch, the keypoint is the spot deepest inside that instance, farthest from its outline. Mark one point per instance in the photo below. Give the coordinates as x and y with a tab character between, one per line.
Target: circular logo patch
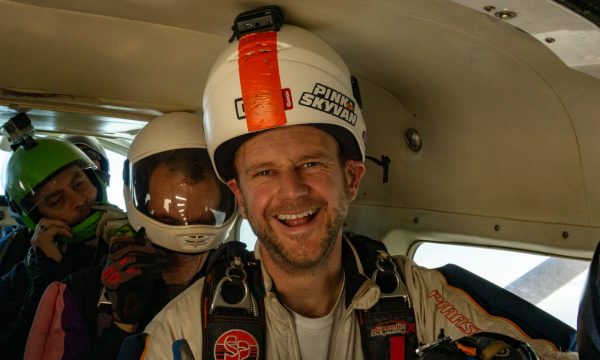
236	345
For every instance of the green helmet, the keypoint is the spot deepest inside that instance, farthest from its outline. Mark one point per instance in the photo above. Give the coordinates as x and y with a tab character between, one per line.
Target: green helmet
28	169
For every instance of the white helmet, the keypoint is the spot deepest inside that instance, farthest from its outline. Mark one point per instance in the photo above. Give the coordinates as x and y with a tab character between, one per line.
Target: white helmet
273	79
176	140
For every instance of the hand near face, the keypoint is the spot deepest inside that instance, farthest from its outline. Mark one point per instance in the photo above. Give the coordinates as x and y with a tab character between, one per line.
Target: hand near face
132	269
68	196
131	256
44	237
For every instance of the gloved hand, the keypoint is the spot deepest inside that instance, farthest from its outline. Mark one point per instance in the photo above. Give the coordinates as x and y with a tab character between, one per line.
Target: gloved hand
132	269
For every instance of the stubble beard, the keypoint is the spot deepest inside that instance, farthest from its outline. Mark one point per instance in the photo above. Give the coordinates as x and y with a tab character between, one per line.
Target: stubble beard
299	264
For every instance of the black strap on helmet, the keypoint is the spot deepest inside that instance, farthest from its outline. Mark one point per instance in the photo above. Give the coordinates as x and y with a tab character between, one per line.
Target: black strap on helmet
266	18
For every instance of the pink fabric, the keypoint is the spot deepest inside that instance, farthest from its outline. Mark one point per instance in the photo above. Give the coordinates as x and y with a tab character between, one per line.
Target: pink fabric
46	337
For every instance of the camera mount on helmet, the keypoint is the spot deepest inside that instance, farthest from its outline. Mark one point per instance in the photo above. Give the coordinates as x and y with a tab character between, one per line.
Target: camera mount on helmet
19	132
266	18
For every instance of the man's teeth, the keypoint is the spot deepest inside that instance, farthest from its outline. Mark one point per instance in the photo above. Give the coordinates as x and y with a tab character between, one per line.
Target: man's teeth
284	217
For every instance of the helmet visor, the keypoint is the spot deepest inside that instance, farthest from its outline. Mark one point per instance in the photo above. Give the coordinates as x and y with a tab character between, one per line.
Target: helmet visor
179	188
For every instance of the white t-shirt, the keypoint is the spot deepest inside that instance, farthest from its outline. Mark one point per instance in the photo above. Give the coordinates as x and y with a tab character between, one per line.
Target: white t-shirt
314	333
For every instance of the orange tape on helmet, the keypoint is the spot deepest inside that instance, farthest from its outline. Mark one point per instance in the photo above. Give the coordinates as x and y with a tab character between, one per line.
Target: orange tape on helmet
260	81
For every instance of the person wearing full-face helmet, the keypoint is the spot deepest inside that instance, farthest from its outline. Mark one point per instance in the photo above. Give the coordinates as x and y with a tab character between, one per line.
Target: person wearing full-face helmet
95	151
176	141
285	131
55	191
177	212
173	196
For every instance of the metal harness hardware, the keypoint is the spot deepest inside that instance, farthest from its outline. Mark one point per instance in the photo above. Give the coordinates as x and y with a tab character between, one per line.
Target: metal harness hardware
388	328
385	268
234	308
235	276
232	302
423	349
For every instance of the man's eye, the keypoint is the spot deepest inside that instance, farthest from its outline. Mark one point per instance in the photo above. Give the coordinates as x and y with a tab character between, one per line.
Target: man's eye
263	173
79	185
54	201
311	164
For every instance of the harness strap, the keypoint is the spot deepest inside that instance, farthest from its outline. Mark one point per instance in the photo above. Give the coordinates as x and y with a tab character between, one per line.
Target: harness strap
232	305
388	329
234	328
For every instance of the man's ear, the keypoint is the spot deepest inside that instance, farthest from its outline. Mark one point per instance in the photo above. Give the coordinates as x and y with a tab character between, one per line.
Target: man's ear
354	172
233	186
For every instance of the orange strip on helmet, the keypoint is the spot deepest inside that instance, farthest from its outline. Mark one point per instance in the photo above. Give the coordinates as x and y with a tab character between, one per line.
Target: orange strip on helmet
260	82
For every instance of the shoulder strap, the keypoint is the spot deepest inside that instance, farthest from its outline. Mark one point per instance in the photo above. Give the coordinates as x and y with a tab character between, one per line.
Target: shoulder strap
231	324
388	329
232	305
367	250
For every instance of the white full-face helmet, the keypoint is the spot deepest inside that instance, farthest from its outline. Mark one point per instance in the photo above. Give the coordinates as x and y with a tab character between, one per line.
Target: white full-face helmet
173	145
279	78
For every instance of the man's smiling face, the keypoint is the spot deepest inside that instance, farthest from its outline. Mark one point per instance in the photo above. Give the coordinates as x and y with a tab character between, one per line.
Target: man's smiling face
295	191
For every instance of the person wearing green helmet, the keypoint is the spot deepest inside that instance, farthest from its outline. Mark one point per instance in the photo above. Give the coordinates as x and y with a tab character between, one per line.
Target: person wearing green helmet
14	242
54	189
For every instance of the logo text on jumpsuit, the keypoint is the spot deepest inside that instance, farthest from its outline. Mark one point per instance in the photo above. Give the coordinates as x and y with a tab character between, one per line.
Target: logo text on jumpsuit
462	323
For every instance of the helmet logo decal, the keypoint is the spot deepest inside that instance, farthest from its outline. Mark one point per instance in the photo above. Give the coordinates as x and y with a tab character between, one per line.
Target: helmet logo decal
330	101
287	99
287	103
263	102
236	344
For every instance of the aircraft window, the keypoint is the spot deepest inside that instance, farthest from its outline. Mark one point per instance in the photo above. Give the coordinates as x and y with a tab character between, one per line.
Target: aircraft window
247	235
3	157
551	283
115	190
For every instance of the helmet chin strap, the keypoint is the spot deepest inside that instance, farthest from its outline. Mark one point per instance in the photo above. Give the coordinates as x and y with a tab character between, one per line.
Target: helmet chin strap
85	230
